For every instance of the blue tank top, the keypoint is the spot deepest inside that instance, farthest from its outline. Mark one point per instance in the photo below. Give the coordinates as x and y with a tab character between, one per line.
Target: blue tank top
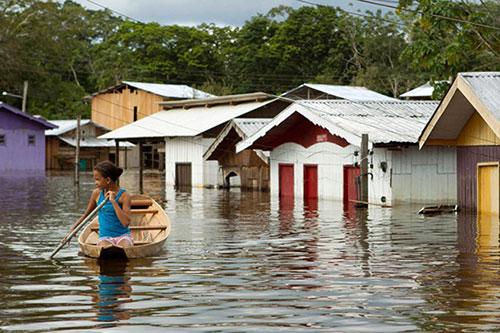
109	224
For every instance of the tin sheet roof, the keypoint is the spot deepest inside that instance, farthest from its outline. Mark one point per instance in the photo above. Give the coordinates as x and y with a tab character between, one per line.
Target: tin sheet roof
350	93
182	122
244	127
384	122
486	87
170	90
424	90
68	125
92	142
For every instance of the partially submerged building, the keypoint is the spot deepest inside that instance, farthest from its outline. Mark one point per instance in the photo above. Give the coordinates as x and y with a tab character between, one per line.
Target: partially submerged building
249	168
468	120
22	140
315	152
61	146
185	130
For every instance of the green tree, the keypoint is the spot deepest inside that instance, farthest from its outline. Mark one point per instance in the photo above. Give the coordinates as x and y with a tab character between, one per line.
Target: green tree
447	37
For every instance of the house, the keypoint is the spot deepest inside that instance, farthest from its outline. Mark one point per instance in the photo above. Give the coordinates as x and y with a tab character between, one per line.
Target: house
328	91
61	144
187	128
129	101
22	140
248	169
314	152
468	120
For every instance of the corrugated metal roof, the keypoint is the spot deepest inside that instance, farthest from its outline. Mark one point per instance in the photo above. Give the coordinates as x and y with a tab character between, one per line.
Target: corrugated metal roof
350	93
170	90
38	120
69	125
384	122
165	90
424	90
182	122
486	87
92	142
250	126
244	127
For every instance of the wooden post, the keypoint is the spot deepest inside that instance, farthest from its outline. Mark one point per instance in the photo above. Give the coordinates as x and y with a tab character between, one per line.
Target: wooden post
117	156
364	171
117	152
25	95
141	162
77	150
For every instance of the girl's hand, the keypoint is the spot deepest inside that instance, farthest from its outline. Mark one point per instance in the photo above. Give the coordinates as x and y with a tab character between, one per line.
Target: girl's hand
111	195
65	237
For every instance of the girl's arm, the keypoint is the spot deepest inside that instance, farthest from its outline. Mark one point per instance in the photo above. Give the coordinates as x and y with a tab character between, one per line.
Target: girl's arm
91	206
123	213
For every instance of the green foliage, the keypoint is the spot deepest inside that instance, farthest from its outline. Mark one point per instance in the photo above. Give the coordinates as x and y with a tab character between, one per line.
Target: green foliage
66	52
447	37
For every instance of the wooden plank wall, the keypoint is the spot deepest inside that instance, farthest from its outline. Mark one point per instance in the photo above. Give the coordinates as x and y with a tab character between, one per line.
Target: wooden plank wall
467	160
116	109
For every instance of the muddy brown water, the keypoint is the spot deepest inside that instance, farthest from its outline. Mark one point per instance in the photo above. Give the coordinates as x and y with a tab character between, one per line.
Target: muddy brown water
246	262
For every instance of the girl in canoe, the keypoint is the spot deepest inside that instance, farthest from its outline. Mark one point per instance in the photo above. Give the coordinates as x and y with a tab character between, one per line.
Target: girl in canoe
114	216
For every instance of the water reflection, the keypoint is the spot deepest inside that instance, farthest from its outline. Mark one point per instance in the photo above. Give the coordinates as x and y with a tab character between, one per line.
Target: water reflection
22	192
114	291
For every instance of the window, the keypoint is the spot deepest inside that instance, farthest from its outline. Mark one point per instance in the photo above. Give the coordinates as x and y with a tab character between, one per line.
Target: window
31	140
2	140
135	113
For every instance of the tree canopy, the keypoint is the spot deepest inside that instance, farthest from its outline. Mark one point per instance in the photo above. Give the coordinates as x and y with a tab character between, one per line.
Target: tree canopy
66	52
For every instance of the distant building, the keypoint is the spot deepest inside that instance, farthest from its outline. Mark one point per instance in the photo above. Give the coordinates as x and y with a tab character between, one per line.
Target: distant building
424	92
315	152
61	144
468	120
22	140
129	101
329	91
184	130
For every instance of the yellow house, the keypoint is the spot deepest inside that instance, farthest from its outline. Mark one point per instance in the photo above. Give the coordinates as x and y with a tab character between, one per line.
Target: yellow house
468	118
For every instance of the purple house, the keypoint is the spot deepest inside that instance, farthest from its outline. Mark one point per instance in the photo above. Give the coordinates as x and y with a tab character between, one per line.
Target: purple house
22	140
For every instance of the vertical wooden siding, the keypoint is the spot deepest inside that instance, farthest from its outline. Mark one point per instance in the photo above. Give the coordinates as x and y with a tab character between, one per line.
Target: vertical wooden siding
467	160
116	109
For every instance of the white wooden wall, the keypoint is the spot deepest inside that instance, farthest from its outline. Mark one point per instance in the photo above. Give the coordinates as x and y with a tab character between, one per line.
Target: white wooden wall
190	150
425	176
417	176
330	159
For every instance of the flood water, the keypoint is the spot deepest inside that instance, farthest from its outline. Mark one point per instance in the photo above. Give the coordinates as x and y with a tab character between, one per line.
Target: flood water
247	262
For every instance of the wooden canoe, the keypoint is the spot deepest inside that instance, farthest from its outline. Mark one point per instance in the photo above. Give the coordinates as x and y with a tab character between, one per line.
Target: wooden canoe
149	227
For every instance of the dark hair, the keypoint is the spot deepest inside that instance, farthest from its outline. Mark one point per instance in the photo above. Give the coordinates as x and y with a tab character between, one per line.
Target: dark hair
108	169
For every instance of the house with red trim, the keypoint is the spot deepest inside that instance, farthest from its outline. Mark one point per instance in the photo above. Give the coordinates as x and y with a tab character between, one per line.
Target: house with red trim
314	148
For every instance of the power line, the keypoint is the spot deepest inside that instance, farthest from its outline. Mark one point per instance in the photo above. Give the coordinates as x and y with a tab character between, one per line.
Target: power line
114	11
430	14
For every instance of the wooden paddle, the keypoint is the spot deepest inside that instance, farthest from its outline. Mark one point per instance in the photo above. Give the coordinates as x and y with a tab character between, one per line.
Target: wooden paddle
88	218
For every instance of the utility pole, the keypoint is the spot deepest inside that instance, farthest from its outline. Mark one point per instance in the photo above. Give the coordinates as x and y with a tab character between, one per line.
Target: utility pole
364	172
77	152
25	95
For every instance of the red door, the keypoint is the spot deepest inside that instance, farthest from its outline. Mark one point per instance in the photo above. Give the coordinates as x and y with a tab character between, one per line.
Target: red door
310	181
286	180
351	188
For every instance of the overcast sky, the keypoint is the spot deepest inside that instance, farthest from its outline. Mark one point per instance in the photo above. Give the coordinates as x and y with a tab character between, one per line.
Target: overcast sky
220	12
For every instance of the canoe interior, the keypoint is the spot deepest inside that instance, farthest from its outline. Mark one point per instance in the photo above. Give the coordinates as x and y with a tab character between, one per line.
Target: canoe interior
149	226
